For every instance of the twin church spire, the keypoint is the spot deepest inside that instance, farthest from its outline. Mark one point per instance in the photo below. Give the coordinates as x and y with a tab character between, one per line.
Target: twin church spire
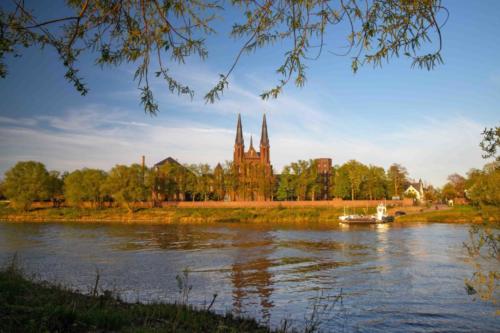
239	144
253	167
264	137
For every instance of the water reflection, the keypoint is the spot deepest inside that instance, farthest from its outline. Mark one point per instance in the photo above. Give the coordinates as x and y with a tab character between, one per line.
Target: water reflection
393	277
250	274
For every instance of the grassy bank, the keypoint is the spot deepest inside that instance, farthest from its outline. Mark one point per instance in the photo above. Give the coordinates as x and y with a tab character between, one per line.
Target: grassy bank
30	306
457	214
176	215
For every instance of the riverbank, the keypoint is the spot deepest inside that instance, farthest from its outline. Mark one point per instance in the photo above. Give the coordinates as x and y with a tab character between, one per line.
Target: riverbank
34	306
457	214
176	215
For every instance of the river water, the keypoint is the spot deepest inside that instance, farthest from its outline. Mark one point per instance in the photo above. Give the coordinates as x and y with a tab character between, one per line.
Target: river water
389	278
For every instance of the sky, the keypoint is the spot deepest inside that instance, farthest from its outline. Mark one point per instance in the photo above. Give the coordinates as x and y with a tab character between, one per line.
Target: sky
428	121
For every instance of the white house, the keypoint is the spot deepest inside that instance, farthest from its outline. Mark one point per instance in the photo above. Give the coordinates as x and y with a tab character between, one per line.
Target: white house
416	190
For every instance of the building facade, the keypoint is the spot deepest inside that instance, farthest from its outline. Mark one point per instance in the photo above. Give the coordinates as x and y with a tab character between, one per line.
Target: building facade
416	190
252	168
324	170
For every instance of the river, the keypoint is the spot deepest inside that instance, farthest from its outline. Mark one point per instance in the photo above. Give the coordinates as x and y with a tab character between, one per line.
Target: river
399	278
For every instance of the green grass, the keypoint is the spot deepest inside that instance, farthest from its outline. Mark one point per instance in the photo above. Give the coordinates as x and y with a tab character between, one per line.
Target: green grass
33	306
175	214
457	214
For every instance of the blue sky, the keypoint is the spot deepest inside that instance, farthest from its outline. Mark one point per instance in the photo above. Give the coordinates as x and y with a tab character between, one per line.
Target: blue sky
428	121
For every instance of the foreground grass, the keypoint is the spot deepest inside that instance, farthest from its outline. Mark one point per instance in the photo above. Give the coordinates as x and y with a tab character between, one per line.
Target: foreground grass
29	306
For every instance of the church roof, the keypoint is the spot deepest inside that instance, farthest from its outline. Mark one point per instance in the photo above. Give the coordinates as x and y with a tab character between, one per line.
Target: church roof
167	161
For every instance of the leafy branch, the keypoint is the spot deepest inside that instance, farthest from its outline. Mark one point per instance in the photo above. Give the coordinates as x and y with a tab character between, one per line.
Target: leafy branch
156	35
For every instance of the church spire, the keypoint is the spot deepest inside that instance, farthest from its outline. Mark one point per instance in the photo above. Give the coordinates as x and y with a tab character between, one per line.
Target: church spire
264	139
239	132
251	142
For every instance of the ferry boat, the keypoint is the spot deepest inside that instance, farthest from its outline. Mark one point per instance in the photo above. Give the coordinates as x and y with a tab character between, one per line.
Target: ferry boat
380	217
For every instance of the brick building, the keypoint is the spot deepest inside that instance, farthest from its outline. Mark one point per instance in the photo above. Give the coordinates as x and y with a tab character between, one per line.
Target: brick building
253	168
324	169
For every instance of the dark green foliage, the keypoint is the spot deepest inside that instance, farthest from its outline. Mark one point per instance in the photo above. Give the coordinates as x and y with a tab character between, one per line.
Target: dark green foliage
355	173
85	185
126	185
30	306
353	180
398	177
150	33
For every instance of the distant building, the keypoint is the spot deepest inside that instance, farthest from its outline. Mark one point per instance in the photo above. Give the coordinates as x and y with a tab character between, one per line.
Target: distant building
253	168
171	170
324	167
416	190
168	160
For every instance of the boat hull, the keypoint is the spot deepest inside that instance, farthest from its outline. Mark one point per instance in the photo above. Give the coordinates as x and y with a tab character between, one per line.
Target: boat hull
367	220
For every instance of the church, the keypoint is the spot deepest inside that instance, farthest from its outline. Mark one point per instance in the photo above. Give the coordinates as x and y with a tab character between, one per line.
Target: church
253	168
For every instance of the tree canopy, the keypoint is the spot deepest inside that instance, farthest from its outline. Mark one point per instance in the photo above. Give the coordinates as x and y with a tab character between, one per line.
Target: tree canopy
126	185
85	185
25	183
155	35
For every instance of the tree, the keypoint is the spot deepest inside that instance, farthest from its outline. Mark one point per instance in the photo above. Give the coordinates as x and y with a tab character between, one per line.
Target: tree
449	192
85	185
148	33
286	187
26	182
231	179
2	192
397	175
484	185
203	186
491	142
313	179
458	183
219	184
431	194
483	189
55	187
342	187
375	184
126	185
349	178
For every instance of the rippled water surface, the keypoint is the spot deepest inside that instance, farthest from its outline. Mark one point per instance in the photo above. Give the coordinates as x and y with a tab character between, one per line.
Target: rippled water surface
391	278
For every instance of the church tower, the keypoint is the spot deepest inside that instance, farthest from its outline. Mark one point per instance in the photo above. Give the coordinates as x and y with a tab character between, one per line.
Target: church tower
239	145
253	168
264	143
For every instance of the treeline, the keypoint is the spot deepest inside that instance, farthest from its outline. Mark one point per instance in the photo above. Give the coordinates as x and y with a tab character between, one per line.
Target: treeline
353	180
30	181
479	186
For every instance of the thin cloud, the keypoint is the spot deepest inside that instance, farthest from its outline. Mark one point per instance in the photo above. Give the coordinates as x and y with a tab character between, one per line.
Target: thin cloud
94	138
